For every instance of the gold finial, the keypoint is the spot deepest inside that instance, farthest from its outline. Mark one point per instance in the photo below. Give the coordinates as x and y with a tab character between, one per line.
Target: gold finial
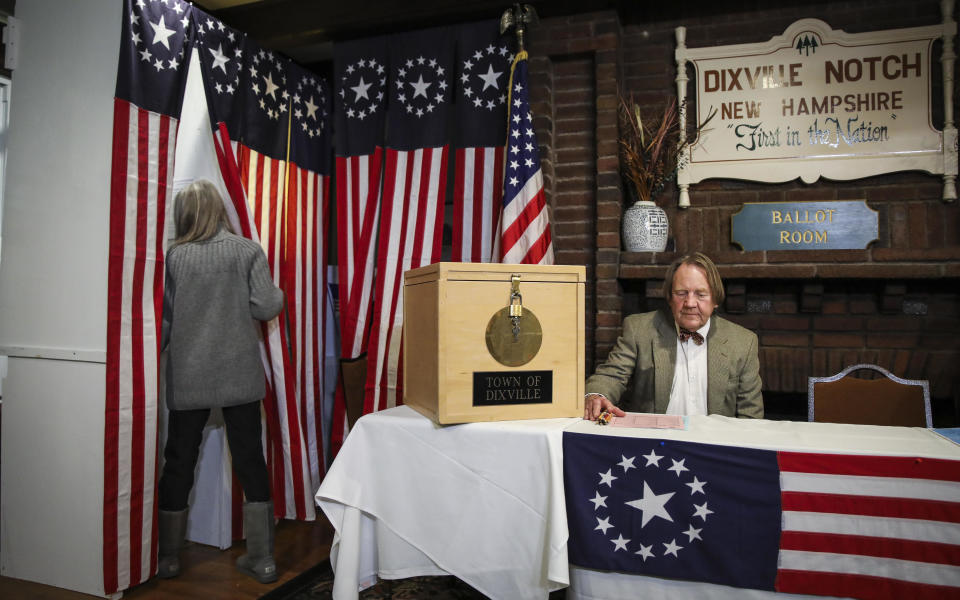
518	17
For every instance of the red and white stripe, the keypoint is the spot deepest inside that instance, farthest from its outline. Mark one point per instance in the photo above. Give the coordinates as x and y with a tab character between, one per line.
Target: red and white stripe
477	194
869	526
358	215
257	186
305	284
410	236
525	226
140	194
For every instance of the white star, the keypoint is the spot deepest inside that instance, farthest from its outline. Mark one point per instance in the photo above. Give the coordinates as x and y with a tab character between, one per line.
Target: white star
652	505
603	524
607	478
514	181
145	55
514	164
693	533
697	486
311	108
158	64
361	90
161	33
598	501
678	466
652	459
619	543
528	162
271	86
467	65
490	78
672	548
517	88
514	134
219	59
645	552
420	87
627	463
702	511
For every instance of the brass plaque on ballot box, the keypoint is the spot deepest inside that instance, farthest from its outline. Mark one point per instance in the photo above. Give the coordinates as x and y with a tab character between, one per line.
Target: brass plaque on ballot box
493	342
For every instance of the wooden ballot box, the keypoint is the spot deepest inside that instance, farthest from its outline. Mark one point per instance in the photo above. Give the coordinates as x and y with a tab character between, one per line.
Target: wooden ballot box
493	342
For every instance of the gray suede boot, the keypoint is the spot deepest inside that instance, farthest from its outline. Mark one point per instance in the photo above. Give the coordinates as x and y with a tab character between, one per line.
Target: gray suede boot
173	527
258	526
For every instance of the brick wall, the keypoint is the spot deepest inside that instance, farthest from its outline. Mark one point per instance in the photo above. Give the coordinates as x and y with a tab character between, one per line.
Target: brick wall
896	303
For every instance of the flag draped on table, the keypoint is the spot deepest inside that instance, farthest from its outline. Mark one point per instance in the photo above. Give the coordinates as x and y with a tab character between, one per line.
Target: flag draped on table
151	77
483	63
826	524
523	232
420	91
271	138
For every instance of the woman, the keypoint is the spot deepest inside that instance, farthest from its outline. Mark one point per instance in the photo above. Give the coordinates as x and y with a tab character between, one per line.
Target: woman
217	287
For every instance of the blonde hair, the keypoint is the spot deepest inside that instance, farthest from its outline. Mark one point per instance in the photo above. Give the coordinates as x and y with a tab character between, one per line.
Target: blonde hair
696	259
198	213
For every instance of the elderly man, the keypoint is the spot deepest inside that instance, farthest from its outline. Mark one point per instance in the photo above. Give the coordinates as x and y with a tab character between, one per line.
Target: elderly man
687	361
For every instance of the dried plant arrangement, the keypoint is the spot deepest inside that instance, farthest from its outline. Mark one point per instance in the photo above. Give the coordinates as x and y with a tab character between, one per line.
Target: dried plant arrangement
651	152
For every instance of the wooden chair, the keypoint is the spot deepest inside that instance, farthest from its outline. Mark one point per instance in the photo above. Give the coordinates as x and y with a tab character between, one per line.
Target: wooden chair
887	400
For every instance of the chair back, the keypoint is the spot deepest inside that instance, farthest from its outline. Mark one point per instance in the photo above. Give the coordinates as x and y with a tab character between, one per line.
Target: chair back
887	400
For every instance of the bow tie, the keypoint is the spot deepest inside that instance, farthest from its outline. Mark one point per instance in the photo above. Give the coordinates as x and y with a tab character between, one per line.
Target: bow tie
686	335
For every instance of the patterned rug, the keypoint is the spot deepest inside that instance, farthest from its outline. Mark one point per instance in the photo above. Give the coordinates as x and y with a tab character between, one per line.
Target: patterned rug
316	583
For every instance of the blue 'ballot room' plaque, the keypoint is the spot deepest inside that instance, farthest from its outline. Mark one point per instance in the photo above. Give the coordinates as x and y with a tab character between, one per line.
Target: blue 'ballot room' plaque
832	225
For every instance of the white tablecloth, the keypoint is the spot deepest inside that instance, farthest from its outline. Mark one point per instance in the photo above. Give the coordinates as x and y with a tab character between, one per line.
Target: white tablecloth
482	501
485	501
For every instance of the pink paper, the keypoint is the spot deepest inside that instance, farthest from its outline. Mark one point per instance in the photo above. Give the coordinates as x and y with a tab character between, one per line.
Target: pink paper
648	420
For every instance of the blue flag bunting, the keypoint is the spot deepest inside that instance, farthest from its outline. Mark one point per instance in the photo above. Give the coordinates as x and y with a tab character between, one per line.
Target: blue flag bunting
483	72
420	89
360	80
154	53
673	509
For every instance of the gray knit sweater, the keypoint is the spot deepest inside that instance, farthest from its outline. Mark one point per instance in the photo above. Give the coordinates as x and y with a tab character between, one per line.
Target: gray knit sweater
215	289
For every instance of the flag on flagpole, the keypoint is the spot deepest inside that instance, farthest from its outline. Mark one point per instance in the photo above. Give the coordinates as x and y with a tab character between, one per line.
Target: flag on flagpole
523	231
420	92
151	77
825	524
483	66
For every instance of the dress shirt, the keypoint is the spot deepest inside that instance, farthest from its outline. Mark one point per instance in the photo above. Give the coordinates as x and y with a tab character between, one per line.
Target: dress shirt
688	393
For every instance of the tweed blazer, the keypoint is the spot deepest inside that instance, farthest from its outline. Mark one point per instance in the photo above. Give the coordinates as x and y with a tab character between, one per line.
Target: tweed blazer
645	356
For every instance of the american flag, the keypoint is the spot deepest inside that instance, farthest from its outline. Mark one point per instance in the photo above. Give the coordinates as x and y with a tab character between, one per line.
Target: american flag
846	525
155	39
270	133
360	97
524	224
419	91
483	63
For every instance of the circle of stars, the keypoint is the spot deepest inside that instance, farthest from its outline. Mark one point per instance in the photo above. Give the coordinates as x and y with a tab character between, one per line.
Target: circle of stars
226	74
652	506
155	33
268	83
362	88
310	106
430	85
484	76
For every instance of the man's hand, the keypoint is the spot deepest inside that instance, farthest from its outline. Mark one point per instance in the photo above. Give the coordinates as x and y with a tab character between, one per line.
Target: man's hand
594	404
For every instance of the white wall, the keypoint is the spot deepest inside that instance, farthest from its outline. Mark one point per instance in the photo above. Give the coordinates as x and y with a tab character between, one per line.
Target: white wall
53	289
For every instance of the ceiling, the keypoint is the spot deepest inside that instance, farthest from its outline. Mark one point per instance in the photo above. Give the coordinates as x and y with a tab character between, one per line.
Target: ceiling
305	30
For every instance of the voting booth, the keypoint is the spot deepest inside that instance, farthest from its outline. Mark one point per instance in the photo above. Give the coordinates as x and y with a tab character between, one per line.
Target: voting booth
493	342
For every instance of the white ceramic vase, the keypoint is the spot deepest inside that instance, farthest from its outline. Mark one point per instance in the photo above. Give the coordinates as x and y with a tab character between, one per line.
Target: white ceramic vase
645	227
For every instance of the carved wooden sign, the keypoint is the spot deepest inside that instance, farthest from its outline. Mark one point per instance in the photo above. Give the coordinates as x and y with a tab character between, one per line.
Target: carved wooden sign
815	102
831	225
